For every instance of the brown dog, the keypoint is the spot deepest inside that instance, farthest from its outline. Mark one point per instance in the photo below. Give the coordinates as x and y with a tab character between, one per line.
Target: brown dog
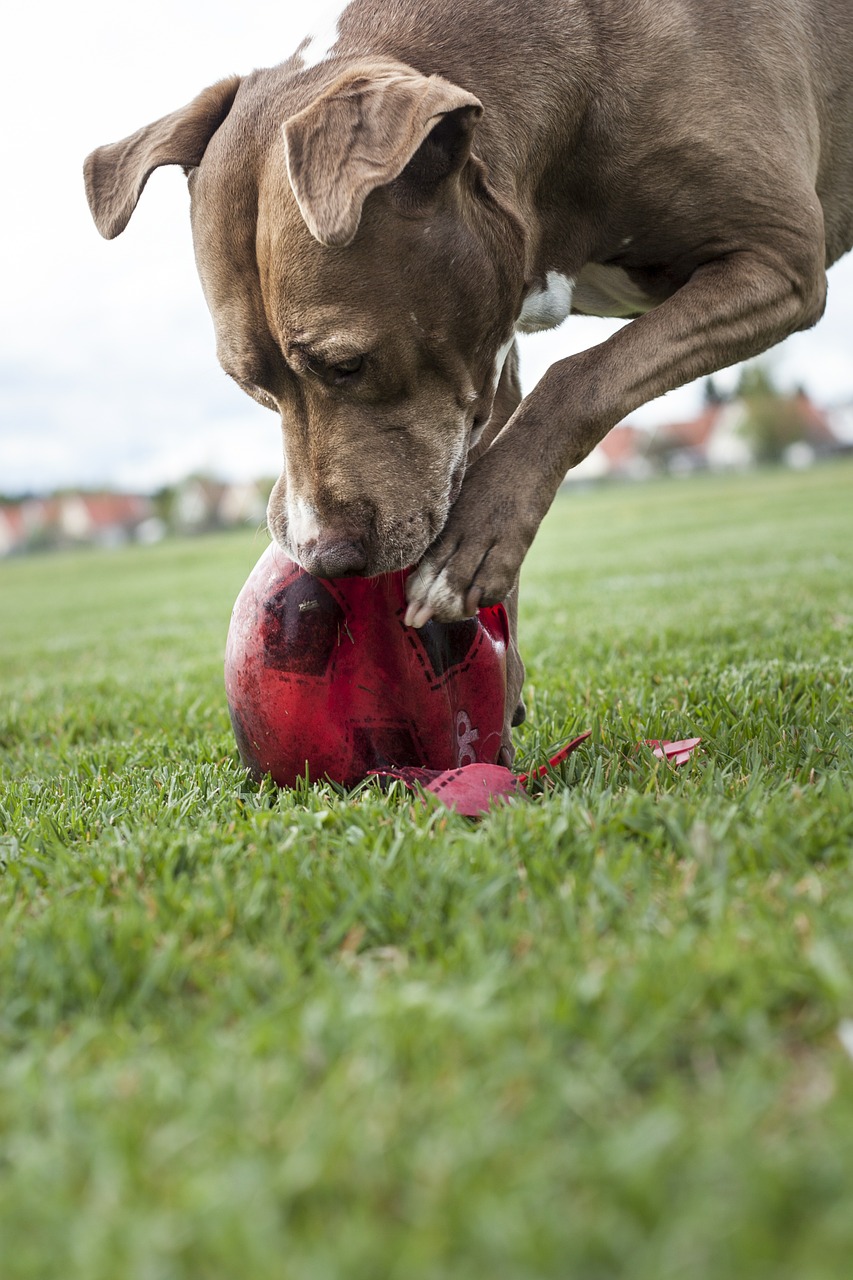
372	230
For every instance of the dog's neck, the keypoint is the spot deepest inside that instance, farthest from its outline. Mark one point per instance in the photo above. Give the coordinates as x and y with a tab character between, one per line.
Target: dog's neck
523	113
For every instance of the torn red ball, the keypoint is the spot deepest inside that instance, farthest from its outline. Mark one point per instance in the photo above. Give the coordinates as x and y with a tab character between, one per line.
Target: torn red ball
323	677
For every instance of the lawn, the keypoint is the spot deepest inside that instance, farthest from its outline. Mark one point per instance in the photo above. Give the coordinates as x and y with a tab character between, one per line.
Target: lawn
311	1035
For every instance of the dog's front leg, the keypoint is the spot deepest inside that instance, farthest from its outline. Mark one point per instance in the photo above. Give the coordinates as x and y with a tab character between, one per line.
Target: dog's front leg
730	309
507	400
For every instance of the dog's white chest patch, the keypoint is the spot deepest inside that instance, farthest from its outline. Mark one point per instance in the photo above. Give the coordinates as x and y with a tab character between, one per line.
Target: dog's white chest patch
501	358
317	46
547	307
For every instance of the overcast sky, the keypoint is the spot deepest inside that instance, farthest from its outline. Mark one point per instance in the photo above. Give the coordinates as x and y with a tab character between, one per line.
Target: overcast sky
107	365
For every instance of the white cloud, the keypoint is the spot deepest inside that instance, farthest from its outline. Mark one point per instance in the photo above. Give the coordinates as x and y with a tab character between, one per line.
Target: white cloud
107	364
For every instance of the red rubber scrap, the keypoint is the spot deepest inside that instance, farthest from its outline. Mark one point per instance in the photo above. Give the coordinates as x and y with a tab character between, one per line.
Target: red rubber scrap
473	789
558	759
674	752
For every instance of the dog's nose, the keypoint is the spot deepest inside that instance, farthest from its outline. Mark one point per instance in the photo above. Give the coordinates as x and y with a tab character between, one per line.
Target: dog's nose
333	557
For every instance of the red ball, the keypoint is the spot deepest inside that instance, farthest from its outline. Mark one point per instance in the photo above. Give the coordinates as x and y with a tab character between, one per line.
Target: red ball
324	677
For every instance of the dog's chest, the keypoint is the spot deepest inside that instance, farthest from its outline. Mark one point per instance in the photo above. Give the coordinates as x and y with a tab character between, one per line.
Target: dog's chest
597	291
609	291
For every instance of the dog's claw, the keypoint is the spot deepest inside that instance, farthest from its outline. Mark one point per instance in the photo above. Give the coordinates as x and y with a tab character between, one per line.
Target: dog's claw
472	601
417	614
431	596
418	587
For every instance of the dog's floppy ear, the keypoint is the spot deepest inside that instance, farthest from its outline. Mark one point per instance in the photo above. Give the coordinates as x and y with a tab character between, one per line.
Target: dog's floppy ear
116	174
362	132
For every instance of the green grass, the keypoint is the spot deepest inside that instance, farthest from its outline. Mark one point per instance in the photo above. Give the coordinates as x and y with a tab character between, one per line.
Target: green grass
250	1034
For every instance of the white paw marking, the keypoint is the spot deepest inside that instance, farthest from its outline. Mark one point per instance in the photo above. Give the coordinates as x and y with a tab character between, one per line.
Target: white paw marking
432	596
546	308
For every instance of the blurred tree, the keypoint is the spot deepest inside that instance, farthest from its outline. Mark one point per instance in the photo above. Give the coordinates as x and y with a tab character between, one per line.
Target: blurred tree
711	393
772	421
163	501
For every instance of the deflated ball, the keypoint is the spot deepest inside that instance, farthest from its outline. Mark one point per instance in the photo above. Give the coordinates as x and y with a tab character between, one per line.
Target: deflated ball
323	677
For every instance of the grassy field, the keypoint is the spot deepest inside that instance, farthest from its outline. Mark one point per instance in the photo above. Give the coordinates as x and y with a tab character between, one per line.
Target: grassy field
250	1034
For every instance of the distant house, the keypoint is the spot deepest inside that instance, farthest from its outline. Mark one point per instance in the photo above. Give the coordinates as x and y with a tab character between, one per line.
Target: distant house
13	532
106	519
72	519
710	440
723	436
621	455
113	519
717	439
201	504
27	524
841	424
243	504
195	506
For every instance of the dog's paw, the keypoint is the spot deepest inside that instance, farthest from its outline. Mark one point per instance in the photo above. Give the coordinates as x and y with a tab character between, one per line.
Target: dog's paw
474	562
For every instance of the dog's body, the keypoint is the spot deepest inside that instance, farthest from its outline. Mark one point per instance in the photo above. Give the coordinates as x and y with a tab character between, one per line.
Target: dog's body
372	230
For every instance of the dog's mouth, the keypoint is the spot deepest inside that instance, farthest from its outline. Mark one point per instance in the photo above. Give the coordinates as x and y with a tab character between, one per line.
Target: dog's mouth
387	546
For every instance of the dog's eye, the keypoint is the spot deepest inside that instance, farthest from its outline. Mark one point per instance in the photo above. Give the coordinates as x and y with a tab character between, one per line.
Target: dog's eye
348	368
335	373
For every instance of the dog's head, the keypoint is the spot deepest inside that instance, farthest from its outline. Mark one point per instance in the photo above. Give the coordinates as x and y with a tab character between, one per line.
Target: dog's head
363	282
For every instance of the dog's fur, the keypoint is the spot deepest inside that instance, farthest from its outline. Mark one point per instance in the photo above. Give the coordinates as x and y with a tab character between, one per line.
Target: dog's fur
371	231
